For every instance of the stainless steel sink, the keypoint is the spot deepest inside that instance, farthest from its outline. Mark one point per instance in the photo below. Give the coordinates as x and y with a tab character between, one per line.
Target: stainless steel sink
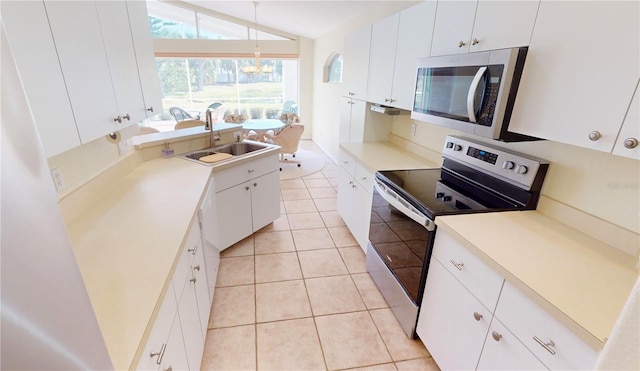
235	149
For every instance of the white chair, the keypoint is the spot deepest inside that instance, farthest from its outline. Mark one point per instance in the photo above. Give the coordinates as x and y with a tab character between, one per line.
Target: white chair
288	139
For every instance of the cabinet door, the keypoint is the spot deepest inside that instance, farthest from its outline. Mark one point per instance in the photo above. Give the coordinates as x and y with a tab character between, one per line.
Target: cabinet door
232	216
447	323
361	214
32	45
116	34
159	332
265	199
356	63
581	71
415	33
452	30
503	24
147	68
78	39
175	356
199	274
358	121
345	119
503	351
630	132
384	35
345	203
190	321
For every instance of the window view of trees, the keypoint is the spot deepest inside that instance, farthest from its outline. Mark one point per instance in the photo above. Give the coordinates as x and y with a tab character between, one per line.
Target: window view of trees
250	87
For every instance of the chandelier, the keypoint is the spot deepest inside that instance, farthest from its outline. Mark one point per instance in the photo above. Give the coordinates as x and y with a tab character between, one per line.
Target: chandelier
257	48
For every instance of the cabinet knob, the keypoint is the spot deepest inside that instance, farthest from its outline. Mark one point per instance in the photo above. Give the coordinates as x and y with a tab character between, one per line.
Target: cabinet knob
255	184
168	368
193	249
496	336
250	171
547	346
127	116
150	109
461	44
351	94
630	143
477	316
475	41
457	265
118	119
193	280
197	268
246	188
594	135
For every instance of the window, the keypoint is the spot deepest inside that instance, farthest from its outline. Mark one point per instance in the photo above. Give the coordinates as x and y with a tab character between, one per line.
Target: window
333	68
193	84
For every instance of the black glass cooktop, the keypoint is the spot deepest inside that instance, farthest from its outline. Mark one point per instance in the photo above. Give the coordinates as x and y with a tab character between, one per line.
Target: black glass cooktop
441	192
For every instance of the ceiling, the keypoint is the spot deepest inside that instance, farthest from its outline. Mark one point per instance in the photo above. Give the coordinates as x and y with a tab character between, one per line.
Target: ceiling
306	18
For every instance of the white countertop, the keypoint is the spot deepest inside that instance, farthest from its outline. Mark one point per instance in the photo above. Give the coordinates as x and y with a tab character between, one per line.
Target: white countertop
386	156
581	281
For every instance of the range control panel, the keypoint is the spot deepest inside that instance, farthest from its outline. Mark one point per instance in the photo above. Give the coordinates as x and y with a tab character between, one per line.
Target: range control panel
513	167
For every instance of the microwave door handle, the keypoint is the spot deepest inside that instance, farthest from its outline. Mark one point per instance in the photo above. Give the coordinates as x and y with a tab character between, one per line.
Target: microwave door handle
471	109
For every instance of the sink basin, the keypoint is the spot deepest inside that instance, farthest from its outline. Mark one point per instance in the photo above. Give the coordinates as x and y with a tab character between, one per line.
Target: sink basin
234	149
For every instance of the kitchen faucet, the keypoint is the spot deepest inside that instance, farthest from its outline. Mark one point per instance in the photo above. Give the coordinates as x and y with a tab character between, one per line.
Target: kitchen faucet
209	126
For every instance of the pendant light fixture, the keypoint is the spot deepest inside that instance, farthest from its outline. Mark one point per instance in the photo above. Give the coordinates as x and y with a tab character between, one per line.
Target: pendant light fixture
255	27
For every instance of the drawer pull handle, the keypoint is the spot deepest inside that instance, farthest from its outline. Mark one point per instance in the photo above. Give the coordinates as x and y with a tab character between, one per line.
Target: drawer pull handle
477	316
160	354
496	336
546	346
251	171
193	251
193	280
457	265
197	268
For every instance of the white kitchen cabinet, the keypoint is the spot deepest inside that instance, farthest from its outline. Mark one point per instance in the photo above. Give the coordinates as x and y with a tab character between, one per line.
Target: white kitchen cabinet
145	58
355	61
352	120
35	54
581	71
174	356
208	230
452	323
453	26
76	32
121	57
503	351
627	143
247	197
355	192
397	42
471	25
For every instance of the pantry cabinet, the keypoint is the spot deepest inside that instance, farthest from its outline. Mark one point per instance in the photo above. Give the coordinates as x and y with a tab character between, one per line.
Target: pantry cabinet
396	44
581	72
355	61
247	197
352	120
37	61
471	26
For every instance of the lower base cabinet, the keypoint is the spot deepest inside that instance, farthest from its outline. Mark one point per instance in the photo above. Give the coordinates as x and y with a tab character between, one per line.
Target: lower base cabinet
464	328
355	192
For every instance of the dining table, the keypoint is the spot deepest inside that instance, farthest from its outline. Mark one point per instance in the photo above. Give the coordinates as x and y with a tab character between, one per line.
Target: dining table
262	125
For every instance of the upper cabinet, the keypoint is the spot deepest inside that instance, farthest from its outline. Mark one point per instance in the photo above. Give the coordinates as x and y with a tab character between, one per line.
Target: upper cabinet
628	140
87	67
41	75
356	63
580	75
470	26
396	43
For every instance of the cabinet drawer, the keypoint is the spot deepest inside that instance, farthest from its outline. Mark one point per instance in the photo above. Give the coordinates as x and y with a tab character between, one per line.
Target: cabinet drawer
364	176
243	172
527	320
348	163
189	249
484	283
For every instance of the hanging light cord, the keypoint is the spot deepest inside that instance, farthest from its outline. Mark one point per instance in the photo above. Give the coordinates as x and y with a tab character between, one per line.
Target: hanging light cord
257	50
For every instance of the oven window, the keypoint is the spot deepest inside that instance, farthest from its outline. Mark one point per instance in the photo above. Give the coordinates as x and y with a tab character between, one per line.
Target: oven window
401	243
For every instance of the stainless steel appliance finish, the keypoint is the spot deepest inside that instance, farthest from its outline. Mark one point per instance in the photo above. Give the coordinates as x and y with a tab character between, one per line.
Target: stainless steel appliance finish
472	92
474	178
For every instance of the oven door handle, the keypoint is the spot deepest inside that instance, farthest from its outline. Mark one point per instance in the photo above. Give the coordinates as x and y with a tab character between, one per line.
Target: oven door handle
471	96
396	201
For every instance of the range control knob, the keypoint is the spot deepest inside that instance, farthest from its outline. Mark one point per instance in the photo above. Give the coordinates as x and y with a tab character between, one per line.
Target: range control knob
508	165
449	145
439	194
457	147
521	169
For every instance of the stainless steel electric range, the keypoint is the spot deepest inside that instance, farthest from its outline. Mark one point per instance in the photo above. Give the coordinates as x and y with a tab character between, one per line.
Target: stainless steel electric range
474	178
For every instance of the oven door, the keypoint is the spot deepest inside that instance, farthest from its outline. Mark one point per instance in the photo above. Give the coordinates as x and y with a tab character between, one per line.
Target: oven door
400	244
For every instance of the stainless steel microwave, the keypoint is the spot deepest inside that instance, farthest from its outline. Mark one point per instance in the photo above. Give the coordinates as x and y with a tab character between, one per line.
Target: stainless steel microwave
472	92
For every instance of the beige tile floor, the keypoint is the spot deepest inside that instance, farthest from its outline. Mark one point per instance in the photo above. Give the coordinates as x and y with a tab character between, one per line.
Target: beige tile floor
296	295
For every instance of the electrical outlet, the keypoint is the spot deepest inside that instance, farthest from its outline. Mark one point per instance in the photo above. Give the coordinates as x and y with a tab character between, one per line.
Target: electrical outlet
58	179
413	130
